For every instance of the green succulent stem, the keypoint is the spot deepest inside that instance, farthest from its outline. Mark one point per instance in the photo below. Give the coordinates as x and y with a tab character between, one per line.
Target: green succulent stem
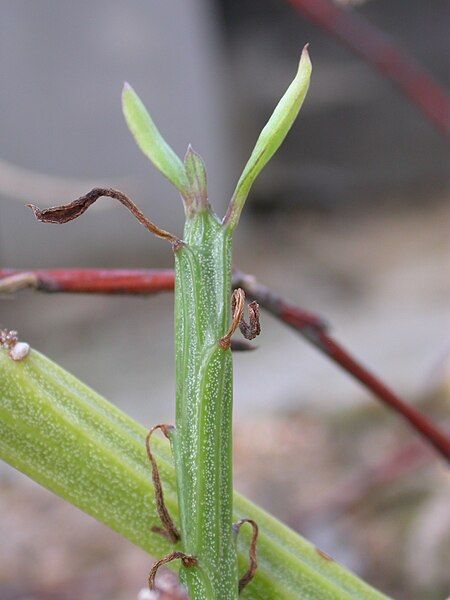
65	436
202	440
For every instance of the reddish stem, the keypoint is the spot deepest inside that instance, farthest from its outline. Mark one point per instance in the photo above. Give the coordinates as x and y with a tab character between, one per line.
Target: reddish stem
316	331
378	50
99	281
312	327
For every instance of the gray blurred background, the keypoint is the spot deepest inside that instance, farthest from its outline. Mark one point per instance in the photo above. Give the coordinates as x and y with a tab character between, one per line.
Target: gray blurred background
350	219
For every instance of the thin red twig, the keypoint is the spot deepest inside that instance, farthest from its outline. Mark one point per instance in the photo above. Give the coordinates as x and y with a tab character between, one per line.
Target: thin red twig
316	332
312	327
378	50
96	281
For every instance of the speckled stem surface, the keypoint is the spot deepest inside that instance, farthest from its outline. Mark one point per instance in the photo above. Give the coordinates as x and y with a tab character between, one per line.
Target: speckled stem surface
69	439
202	441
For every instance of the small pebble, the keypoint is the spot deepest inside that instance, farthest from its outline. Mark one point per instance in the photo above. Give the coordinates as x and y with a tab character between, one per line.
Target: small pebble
145	594
19	351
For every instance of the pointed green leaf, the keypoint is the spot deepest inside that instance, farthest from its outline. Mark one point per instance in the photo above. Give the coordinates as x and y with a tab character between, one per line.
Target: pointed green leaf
150	141
271	137
196	174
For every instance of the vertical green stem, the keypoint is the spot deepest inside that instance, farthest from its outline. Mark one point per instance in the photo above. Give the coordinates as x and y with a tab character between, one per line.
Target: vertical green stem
202	441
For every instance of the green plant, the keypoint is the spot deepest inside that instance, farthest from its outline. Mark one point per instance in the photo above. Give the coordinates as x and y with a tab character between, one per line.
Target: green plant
71	440
53	426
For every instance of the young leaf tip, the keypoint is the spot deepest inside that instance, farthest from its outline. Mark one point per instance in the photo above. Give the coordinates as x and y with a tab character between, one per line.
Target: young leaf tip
196	174
190	152
271	137
126	88
305	60
150	140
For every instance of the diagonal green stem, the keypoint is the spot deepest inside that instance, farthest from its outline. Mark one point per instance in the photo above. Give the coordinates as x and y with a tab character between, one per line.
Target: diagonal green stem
68	438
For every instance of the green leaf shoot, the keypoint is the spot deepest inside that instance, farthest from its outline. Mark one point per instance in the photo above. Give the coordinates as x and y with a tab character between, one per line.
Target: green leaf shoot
196	174
271	137
151	142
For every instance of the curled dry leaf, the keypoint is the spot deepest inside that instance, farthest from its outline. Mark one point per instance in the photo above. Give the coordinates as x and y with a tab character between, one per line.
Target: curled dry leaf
73	210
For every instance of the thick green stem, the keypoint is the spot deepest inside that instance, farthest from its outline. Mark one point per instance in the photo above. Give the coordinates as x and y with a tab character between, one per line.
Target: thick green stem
71	440
202	440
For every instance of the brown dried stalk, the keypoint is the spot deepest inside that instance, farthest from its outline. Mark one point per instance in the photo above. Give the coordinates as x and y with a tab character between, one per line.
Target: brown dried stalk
253	565
73	210
169	529
186	559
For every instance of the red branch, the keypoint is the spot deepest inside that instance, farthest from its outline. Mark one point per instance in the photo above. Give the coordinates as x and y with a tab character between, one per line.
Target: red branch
377	49
316	332
97	281
312	327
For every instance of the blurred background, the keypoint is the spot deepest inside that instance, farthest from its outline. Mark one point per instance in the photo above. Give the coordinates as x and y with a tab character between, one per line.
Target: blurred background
350	220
